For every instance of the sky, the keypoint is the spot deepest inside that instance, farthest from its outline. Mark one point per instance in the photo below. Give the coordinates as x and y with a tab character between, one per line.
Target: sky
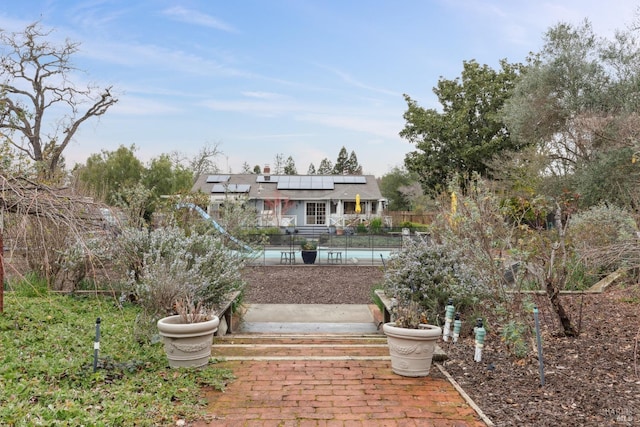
297	78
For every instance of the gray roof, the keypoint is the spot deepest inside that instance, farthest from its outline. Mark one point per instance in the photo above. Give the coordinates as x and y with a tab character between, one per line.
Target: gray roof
291	187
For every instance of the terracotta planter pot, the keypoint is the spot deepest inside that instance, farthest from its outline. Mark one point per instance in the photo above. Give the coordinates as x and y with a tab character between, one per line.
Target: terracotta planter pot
411	350
187	344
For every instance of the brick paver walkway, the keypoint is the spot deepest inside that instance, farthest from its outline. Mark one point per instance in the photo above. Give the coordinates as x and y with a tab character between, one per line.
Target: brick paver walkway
328	381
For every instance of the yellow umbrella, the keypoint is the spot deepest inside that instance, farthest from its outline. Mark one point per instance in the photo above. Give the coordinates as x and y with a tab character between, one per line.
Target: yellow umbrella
358	207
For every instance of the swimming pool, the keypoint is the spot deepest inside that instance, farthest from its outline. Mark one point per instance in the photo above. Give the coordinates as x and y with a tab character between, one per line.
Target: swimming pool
348	255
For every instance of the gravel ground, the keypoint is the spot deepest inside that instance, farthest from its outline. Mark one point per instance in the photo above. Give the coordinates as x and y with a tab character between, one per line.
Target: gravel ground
310	284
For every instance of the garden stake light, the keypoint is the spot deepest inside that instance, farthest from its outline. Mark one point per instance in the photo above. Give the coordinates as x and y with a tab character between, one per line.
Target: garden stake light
96	345
539	340
480	334
457	325
448	318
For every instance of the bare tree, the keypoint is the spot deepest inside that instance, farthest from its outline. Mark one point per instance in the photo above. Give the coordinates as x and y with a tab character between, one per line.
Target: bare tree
35	80
204	160
278	164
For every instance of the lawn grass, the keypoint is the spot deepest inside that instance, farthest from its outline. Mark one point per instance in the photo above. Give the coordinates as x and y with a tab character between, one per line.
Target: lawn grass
46	367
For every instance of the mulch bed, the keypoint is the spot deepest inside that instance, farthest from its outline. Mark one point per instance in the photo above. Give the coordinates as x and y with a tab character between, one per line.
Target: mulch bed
591	380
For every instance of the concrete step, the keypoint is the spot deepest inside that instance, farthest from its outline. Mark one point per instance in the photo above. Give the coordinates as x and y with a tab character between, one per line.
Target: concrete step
301	347
308	318
321	347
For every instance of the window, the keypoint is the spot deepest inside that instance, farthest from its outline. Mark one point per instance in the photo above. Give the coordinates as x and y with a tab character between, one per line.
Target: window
349	207
316	213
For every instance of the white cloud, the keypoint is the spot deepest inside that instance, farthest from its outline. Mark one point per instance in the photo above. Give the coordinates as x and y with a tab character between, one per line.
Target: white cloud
262	95
368	125
189	16
347	78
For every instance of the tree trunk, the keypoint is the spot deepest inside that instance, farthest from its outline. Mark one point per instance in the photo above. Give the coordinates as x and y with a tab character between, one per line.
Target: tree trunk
554	297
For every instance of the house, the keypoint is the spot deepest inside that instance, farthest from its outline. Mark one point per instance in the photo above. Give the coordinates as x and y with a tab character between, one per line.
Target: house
309	203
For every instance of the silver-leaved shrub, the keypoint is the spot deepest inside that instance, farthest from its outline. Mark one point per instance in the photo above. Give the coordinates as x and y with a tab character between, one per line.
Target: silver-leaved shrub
430	273
177	266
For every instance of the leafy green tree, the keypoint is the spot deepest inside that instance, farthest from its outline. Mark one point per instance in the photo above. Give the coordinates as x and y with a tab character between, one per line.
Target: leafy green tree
36	87
325	167
460	139
391	185
290	167
105	174
164	177
257	170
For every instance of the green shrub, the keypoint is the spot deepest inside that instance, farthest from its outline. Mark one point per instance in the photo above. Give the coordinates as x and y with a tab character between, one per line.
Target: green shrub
516	334
375	226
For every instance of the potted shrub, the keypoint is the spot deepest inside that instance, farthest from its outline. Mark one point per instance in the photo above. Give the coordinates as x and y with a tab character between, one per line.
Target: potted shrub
188	335
412	341
180	280
421	278
309	251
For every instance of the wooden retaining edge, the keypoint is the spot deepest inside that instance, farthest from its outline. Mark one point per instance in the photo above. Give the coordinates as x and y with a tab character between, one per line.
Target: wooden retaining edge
608	281
465	396
598	288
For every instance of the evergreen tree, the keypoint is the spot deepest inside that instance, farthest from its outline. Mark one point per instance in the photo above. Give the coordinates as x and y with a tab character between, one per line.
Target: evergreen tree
342	163
290	167
311	170
352	165
325	167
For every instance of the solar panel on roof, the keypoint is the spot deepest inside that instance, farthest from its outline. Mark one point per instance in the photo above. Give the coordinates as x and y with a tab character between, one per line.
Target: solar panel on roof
231	188
350	179
304	182
217	178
